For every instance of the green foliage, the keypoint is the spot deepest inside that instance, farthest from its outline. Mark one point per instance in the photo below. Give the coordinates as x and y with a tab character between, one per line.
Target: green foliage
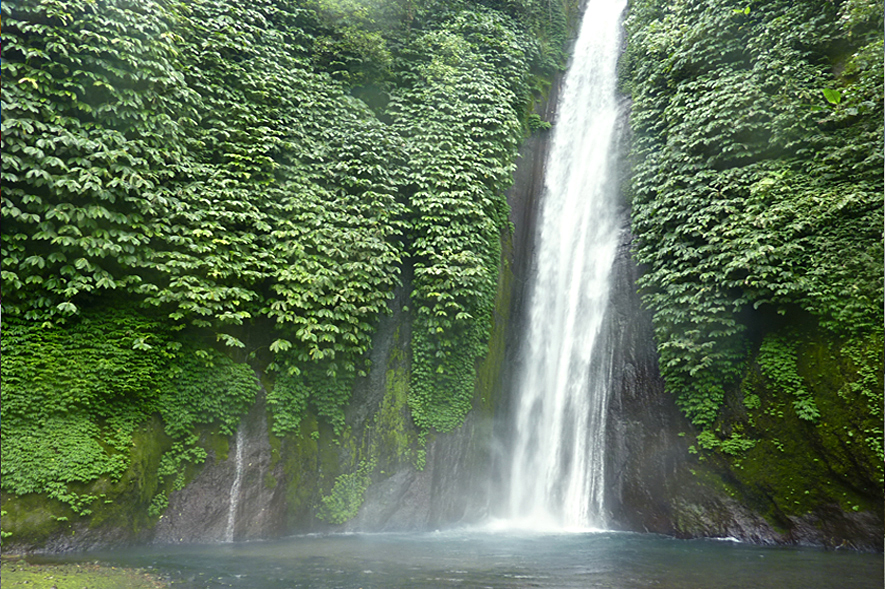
276	210
317	386
210	161
92	125
777	361
865	392
4	534
752	401
205	386
862	18
72	398
537	124
347	495
734	445
834	97
462	131
354	48
458	87
287	401
752	187
257	175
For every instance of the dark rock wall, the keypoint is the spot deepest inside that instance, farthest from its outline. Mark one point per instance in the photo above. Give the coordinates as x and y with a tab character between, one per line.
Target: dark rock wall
200	511
644	451
655	484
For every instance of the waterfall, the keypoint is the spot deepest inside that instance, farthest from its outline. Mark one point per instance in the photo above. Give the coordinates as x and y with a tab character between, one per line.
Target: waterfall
235	486
557	469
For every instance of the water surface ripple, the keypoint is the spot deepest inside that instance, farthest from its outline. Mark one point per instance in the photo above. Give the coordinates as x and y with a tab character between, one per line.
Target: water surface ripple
478	559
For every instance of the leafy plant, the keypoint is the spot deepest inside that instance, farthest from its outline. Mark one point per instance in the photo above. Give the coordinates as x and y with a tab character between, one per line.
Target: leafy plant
347	495
777	360
745	200
4	534
73	397
209	164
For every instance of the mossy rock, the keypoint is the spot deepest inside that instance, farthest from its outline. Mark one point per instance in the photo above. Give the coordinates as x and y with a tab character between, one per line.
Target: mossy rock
122	505
799	466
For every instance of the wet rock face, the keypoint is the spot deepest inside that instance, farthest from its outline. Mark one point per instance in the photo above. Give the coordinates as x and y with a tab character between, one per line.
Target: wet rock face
655	485
398	503
261	503
80	537
722	517
832	527
201	512
645	451
450	489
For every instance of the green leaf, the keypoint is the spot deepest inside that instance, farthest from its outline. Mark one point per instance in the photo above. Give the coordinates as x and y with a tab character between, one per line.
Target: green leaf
230	340
280	345
833	96
67	308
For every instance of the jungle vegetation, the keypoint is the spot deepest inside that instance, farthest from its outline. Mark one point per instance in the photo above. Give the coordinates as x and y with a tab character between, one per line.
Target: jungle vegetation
757	207
194	187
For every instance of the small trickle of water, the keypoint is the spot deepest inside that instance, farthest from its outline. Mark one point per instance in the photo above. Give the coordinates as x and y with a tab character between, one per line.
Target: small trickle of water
235	486
557	471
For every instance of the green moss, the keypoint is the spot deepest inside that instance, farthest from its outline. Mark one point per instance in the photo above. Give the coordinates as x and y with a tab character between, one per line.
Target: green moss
798	465
391	421
270	481
276	445
490	369
313	460
707	475
330	457
216	443
392	438
300	457
33	518
127	501
20	573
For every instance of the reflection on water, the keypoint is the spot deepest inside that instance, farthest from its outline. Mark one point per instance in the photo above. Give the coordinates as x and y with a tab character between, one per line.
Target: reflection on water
482	559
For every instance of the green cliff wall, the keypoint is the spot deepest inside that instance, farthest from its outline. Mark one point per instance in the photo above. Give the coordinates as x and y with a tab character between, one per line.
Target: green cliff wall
293	207
757	202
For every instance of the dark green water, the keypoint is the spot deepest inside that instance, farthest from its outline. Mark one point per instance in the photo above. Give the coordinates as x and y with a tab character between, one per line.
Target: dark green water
468	559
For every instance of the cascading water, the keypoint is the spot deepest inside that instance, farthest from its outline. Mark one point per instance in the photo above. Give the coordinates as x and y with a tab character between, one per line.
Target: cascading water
236	484
557	470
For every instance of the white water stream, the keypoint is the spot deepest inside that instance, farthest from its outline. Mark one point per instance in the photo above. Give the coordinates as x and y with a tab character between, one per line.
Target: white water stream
235	486
557	473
